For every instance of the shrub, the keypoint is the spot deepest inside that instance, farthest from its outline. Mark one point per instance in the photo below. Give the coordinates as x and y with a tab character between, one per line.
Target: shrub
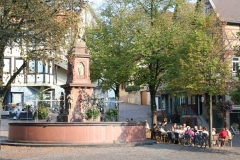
111	114
93	112
223	106
235	95
42	112
132	88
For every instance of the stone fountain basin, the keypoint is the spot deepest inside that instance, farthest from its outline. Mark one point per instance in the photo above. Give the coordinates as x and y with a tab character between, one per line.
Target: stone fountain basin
77	132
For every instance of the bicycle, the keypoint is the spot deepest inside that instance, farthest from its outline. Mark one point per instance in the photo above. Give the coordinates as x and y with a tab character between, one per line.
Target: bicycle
187	140
203	140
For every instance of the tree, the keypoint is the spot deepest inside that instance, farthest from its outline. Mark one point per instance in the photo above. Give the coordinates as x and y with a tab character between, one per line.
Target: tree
200	57
154	40
111	63
39	29
144	33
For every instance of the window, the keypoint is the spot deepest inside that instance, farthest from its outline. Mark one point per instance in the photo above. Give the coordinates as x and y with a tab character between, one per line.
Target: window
163	103
235	64
18	64
50	68
31	66
17	97
189	100
157	103
40	67
182	100
193	100
46	68
6	67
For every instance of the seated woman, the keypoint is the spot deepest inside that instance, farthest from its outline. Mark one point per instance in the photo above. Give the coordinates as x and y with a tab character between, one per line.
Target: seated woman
147	125
200	129
11	111
164	123
213	131
181	132
228	132
18	112
189	132
173	127
222	135
204	131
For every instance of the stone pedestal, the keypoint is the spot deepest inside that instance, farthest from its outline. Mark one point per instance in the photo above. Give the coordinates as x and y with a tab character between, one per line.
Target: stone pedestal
78	88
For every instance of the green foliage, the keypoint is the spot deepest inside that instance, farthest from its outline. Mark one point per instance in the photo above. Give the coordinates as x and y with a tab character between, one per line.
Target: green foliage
92	113
223	106
132	88
111	114
198	63
42	112
41	102
235	95
111	61
38	30
28	107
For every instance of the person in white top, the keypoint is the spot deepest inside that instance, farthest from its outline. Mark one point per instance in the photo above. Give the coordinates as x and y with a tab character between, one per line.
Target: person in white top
162	130
184	126
181	132
205	131
213	131
147	125
229	133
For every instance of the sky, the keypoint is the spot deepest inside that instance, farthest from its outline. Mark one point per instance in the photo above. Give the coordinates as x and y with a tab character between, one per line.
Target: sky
96	3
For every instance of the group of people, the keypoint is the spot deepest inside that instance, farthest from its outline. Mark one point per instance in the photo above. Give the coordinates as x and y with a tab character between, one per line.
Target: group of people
18	112
127	120
183	130
222	135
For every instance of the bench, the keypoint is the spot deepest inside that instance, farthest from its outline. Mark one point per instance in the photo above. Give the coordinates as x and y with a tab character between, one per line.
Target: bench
26	115
11	115
5	114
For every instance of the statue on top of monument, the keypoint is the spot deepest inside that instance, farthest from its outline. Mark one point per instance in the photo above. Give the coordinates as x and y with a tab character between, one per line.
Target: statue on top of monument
80	34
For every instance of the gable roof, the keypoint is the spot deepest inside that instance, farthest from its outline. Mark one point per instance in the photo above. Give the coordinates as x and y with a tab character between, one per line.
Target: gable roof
228	10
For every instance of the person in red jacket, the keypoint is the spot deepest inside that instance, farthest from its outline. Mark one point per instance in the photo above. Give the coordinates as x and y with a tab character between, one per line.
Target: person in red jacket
222	135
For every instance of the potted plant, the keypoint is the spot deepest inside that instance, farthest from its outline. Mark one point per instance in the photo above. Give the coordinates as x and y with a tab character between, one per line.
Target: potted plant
42	112
92	113
111	114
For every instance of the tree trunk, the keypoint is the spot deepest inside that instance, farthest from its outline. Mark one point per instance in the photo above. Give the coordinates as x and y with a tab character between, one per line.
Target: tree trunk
224	119
4	89
153	104
210	121
116	91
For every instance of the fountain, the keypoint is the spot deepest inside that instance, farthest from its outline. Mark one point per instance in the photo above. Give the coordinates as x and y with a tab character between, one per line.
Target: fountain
71	126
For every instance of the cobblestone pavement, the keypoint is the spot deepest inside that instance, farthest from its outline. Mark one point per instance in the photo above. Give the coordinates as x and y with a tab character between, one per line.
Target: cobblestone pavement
161	151
148	152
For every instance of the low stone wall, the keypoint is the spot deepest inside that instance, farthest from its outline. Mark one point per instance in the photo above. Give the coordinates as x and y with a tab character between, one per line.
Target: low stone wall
77	133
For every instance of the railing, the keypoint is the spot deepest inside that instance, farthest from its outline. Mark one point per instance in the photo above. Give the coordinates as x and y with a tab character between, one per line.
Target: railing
52	103
187	111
